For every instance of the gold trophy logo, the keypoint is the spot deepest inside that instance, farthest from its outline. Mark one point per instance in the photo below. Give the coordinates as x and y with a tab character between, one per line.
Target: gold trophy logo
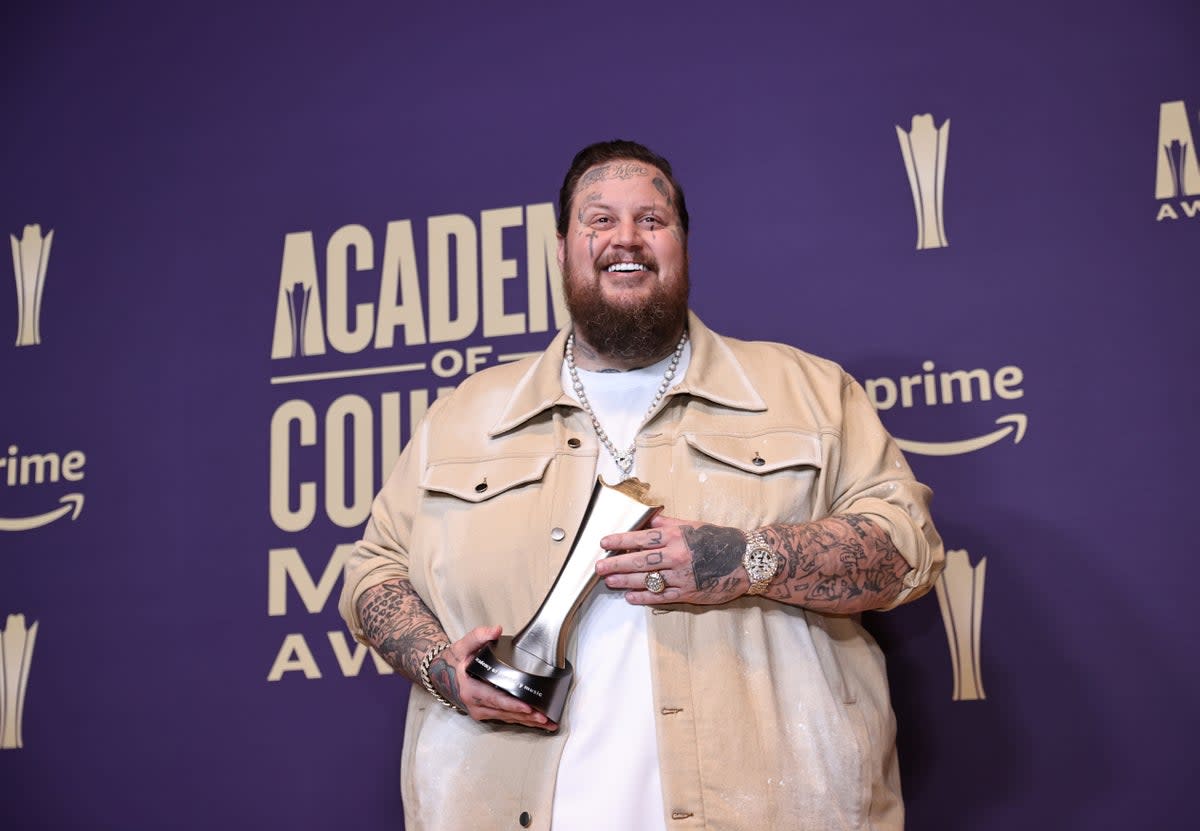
16	651
298	317
960	595
30	255
1178	172
924	150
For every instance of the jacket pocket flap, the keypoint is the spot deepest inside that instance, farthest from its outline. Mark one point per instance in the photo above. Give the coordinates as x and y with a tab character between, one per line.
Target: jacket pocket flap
477	480
762	453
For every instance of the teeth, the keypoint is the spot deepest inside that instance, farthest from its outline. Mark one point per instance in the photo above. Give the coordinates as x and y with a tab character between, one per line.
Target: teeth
626	267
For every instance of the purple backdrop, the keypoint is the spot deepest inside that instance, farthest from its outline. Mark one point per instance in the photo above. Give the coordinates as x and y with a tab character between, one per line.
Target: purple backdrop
171	654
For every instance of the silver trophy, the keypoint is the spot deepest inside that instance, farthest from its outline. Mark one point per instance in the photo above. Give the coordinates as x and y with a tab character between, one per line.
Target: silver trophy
532	664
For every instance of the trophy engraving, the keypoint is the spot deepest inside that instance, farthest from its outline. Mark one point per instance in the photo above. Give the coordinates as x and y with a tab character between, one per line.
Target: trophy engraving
532	664
960	596
16	651
31	255
924	150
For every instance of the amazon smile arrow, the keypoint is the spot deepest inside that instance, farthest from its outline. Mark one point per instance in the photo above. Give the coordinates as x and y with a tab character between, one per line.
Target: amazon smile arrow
73	504
1014	424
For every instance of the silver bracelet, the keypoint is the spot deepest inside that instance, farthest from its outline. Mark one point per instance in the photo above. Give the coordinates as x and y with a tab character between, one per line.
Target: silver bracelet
433	652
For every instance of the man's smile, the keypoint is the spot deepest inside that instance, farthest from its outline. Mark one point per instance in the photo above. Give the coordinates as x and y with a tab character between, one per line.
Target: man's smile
626	267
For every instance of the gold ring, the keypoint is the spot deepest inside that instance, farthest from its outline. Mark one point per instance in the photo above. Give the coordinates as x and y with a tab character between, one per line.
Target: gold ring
655	582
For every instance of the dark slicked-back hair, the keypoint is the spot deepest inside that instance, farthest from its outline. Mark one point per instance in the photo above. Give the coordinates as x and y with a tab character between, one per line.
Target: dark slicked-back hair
603	152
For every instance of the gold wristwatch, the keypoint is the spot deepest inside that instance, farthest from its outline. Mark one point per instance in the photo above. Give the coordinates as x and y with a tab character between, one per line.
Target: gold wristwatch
760	562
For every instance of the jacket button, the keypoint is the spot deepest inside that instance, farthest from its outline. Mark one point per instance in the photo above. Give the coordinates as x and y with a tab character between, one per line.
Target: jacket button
481	487
525	819
558	534
573	442
758	460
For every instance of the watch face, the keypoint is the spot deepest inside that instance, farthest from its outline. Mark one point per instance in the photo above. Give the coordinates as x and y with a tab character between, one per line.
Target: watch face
760	563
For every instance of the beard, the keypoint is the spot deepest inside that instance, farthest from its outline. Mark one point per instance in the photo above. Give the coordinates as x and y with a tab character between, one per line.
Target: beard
643	330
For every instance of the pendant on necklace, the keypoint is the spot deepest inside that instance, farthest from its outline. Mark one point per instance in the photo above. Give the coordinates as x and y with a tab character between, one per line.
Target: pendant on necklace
624	461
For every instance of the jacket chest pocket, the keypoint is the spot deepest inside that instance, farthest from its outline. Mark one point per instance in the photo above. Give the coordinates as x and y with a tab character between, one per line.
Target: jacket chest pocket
479	481
478	528
752	480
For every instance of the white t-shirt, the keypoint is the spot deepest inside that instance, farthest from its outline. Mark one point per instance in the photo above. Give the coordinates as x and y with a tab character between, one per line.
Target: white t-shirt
608	777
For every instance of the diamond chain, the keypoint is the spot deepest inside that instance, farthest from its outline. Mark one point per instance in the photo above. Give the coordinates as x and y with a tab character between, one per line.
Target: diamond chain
624	460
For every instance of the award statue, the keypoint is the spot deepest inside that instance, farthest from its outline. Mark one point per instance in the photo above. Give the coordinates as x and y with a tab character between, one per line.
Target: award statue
532	664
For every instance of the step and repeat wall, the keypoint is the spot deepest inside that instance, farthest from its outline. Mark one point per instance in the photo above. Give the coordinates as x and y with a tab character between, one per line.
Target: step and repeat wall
252	243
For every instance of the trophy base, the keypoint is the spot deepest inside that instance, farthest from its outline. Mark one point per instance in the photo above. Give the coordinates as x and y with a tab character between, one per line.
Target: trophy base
525	677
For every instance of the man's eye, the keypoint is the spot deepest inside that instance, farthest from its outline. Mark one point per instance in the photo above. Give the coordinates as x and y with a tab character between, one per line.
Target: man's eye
651	220
600	220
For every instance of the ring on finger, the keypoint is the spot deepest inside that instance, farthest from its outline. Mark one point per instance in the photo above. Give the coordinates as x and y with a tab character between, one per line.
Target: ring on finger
655	582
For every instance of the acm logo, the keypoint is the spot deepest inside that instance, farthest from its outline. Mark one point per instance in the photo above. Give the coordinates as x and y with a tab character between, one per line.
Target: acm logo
960	597
1177	177
31	257
924	149
16	654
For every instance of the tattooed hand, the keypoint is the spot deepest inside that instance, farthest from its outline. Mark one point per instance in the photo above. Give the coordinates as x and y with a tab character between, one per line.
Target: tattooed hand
701	564
402	629
483	702
843	564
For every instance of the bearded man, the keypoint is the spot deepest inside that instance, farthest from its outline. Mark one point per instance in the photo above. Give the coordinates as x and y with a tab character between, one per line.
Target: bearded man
723	678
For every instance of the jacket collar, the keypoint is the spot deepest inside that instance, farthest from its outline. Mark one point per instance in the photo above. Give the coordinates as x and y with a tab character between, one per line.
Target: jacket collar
713	374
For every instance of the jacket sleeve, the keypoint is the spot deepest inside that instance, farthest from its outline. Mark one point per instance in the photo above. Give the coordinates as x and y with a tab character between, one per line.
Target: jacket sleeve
870	476
382	553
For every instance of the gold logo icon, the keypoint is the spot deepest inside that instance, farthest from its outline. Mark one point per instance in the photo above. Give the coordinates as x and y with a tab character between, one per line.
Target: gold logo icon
1178	172
960	596
16	651
298	307
924	150
30	255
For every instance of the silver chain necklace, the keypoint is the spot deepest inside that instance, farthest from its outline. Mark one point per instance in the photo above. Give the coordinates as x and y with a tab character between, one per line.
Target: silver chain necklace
624	460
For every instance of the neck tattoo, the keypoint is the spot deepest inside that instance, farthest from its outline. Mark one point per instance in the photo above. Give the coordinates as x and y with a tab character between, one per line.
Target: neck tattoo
624	460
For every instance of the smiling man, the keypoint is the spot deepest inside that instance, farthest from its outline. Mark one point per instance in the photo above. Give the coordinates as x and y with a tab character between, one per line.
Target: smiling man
722	677
624	263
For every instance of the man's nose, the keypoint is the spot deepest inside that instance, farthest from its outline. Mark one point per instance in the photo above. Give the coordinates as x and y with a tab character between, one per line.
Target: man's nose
628	233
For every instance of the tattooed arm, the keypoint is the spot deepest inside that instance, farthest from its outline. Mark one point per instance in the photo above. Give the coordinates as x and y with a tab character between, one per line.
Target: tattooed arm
403	629
841	564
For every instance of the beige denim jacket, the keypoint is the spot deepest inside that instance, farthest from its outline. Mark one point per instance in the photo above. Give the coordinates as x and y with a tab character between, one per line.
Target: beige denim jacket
769	716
